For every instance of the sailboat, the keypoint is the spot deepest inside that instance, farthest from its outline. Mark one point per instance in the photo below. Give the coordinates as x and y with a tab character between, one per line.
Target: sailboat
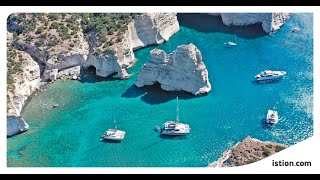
230	43
113	134
175	128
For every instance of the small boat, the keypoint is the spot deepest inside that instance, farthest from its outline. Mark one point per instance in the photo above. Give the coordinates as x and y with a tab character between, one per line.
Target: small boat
231	43
269	75
272	117
295	29
113	134
157	128
175	128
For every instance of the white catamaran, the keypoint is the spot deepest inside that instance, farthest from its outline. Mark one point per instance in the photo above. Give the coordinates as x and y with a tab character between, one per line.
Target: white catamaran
174	128
113	134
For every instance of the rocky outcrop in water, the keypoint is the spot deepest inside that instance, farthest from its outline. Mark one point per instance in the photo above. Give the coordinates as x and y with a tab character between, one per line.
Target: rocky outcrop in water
182	70
270	22
16	125
248	151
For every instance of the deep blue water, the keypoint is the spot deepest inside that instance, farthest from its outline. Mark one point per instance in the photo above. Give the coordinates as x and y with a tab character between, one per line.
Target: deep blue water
234	109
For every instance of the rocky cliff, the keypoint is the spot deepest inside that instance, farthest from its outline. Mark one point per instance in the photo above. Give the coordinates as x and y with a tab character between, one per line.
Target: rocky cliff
182	70
23	79
248	151
145	29
153	28
270	22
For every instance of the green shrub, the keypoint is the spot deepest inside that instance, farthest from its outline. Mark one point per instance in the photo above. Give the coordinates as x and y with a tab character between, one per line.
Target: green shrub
269	146
279	148
39	30
10	80
266	152
252	160
99	52
54	25
15	34
53	16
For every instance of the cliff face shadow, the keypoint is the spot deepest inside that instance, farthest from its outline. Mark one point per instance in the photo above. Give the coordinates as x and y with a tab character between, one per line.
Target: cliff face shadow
154	94
89	76
208	24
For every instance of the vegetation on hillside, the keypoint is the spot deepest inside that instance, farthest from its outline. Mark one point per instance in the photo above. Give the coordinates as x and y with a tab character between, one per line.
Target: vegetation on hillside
13	66
57	32
108	28
47	30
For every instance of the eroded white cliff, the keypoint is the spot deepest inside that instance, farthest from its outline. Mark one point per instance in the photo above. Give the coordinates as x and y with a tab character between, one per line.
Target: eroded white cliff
26	82
270	22
182	70
153	28
146	29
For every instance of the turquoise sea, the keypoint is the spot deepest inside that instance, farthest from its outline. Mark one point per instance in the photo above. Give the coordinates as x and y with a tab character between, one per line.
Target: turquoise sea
68	136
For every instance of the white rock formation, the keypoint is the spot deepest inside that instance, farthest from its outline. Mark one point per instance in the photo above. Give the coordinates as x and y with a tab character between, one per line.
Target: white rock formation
71	73
69	58
50	74
25	84
16	125
182	70
116	60
271	22
153	28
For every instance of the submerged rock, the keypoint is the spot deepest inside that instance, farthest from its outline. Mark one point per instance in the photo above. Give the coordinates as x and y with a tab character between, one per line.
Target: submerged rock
182	70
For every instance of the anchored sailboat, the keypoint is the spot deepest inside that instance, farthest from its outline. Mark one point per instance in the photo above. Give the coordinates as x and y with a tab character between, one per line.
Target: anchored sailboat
113	134
175	127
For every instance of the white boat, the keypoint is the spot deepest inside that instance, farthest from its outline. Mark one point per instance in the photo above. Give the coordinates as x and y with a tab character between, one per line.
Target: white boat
272	117
113	134
175	128
269	75
295	29
231	43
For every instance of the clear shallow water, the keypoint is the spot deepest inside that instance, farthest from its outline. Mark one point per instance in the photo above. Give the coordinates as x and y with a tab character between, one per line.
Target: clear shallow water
69	135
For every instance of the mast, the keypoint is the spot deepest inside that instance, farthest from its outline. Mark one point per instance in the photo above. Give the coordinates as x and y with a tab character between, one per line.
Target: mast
114	121
177	110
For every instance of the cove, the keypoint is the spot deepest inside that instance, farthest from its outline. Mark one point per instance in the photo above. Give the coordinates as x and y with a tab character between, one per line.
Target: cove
68	136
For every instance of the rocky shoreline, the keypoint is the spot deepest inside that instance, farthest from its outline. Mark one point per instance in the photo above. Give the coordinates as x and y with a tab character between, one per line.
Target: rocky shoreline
248	151
67	60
